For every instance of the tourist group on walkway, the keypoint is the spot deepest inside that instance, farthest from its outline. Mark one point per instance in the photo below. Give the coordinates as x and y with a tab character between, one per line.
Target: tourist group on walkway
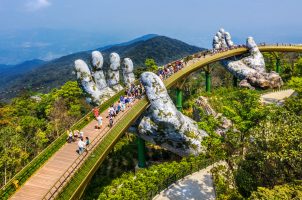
125	101
166	71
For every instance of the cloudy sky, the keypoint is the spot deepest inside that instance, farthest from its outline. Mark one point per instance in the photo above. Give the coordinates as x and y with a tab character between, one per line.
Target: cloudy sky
193	21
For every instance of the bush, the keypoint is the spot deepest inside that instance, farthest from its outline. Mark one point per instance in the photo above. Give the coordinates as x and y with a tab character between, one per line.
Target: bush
284	192
146	183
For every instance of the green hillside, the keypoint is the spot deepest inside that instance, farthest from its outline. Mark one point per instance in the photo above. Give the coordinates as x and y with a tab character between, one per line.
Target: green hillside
55	73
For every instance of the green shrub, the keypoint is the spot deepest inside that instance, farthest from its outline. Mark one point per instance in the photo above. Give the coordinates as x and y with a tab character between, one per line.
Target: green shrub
282	192
146	183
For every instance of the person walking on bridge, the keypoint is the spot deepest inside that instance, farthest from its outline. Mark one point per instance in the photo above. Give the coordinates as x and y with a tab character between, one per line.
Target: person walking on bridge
81	145
100	121
96	112
87	142
110	121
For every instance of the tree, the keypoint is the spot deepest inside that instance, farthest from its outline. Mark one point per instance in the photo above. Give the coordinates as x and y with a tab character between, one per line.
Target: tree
59	117
151	64
286	191
296	84
13	154
274	154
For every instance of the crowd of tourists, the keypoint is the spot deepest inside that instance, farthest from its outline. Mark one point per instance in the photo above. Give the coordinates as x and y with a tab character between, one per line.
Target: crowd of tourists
171	68
166	71
78	136
125	101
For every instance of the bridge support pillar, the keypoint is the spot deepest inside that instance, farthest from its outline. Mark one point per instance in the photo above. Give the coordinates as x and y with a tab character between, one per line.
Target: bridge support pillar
208	81
179	99
141	152
235	81
278	65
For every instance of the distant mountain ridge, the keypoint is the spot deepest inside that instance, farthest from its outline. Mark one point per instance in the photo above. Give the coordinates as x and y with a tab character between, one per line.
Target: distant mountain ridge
139	39
11	72
55	73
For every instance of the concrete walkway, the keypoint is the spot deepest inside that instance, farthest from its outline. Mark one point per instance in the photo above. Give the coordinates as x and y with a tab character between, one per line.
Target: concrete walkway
198	185
277	97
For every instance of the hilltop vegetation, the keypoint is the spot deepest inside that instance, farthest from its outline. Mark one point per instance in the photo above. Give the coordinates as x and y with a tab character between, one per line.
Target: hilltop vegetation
55	73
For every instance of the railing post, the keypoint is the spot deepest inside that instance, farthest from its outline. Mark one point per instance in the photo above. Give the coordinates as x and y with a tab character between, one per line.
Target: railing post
179	99
141	153
278	65
235	81
208	81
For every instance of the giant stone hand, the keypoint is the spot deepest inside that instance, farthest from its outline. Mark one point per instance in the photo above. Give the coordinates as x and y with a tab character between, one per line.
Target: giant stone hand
251	69
128	74
113	73
86	82
98	75
94	84
164	125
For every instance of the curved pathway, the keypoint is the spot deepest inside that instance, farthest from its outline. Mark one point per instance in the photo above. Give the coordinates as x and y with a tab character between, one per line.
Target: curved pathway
277	97
198	185
37	186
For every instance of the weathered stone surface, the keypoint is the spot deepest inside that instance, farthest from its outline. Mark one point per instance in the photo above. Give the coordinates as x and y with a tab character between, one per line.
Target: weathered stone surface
86	81
164	125
128	74
98	74
113	73
94	84
225	123
251	69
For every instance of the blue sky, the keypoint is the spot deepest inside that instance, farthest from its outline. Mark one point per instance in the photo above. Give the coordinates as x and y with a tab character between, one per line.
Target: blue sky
193	21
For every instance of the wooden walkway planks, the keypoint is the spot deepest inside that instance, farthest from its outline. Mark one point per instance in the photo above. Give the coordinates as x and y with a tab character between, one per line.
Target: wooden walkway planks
39	183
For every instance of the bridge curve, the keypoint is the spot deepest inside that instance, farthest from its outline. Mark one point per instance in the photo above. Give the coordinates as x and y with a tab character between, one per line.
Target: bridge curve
73	186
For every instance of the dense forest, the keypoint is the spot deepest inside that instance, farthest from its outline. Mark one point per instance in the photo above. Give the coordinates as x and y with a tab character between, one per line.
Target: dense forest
30	122
262	150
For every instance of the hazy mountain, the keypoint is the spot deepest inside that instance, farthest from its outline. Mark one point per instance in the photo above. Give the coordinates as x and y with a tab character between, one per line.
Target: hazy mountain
48	44
56	72
9	73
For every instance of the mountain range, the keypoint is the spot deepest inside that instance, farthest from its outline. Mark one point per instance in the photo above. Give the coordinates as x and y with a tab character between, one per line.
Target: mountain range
42	76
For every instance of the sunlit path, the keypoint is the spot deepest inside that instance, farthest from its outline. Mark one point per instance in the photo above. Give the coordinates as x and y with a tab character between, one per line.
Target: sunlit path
198	185
46	177
277	96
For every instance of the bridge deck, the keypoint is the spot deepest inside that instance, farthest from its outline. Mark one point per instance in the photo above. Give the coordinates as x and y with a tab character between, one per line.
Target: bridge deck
37	186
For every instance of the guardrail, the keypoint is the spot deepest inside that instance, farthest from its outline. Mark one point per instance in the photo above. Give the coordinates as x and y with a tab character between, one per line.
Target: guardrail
194	167
20	178
76	184
52	192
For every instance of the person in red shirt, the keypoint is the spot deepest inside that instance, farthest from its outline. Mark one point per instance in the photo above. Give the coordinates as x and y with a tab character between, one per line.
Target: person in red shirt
96	112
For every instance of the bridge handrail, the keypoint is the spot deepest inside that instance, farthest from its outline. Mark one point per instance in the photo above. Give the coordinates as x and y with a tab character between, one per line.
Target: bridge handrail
73	166
20	178
194	167
87	169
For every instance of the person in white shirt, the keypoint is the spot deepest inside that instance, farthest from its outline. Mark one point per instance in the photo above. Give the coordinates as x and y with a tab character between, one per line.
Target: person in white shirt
100	121
81	145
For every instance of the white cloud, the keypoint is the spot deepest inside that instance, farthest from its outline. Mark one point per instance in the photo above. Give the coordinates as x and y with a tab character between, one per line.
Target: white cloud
34	5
